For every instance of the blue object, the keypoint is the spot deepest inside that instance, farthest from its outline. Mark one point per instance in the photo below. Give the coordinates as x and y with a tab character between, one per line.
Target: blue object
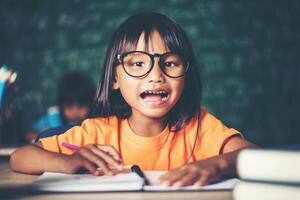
2	81
2	84
51	120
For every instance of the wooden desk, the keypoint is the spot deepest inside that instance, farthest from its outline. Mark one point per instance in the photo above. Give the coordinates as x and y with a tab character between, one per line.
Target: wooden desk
13	186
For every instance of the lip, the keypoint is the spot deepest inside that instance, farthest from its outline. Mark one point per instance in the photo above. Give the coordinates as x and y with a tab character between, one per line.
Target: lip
155	102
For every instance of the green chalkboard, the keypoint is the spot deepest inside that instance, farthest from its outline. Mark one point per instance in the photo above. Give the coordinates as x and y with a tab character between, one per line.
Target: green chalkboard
248	53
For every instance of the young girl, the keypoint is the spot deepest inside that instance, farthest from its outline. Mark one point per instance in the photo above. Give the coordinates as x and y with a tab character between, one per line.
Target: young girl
147	112
75	95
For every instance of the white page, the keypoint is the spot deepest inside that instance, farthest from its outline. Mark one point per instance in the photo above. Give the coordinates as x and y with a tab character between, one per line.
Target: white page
153	177
59	182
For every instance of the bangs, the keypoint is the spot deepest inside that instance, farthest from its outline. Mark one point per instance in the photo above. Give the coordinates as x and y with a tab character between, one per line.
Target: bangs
129	34
131	39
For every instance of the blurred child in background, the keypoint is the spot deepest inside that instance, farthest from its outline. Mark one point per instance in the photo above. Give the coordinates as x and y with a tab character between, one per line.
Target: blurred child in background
11	113
74	97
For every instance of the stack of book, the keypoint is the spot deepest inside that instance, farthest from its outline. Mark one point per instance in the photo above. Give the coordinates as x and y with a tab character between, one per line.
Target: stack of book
268	174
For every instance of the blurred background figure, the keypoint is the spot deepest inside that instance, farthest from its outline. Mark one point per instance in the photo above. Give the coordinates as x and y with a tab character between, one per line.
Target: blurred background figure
11	123
75	95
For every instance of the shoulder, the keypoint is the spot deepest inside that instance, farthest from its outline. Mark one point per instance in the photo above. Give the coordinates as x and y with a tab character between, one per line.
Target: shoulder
100	124
212	134
207	123
206	119
106	121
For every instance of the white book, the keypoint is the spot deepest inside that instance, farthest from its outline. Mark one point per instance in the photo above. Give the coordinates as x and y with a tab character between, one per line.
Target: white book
59	182
265	191
269	165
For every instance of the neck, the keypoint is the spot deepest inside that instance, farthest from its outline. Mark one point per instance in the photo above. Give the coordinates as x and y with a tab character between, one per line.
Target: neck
147	127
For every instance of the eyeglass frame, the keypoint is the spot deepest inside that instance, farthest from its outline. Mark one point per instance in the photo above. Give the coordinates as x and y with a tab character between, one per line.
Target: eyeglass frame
120	60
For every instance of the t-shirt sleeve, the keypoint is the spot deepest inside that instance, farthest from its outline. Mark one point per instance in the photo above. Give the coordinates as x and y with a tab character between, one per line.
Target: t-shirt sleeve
80	136
214	135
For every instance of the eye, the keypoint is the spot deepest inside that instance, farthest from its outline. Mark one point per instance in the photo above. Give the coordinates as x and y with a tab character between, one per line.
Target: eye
137	64
170	64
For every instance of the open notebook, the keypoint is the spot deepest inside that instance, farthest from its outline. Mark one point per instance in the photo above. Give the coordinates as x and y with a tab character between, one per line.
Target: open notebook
58	182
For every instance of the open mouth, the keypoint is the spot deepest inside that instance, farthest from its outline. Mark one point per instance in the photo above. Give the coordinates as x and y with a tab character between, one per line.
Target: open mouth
154	95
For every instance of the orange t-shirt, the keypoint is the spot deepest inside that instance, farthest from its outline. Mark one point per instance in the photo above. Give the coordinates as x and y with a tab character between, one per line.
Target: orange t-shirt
165	151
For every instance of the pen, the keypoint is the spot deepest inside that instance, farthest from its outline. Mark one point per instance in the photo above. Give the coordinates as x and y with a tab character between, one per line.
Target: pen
136	169
70	146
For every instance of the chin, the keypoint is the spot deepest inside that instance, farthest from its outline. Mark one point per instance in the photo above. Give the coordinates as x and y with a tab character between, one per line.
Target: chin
155	113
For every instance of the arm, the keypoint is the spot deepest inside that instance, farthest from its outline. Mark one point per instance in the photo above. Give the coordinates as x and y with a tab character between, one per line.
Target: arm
230	153
33	159
209	170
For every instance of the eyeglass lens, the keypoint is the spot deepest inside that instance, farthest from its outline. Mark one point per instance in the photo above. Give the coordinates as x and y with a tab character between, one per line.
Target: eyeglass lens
139	64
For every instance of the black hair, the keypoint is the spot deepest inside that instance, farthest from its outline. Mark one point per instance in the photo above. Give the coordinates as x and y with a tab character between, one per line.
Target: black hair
75	88
110	102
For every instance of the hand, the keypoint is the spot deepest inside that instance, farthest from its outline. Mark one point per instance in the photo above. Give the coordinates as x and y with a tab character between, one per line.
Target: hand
198	173
92	157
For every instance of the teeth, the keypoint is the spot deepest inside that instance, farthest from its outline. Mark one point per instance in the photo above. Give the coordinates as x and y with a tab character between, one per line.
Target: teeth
155	92
163	93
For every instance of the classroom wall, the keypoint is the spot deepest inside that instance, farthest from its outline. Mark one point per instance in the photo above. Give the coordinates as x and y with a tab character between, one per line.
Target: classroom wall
248	53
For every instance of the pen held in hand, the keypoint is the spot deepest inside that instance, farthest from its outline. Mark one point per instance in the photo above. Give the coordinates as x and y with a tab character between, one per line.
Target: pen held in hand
70	146
113	168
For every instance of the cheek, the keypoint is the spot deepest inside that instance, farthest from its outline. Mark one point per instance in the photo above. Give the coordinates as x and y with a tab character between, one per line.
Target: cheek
83	112
69	114
129	91
75	113
178	88
128	87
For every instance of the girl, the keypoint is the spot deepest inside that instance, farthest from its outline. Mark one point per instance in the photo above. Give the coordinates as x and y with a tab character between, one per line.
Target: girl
75	95
147	112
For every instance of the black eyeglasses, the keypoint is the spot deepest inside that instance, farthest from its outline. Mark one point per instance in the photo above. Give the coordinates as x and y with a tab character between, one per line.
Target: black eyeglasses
140	63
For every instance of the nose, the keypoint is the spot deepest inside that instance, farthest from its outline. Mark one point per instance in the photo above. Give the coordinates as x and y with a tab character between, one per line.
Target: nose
156	75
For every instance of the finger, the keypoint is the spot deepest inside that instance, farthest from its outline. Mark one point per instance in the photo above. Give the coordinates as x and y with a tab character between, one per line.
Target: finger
172	176
171	173
188	179
213	179
202	181
208	178
94	158
107	158
110	150
166	175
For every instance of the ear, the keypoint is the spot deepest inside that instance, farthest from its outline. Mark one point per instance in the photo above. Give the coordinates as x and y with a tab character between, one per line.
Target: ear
115	84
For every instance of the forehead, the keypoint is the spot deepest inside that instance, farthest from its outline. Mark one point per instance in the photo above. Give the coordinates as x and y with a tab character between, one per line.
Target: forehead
153	43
